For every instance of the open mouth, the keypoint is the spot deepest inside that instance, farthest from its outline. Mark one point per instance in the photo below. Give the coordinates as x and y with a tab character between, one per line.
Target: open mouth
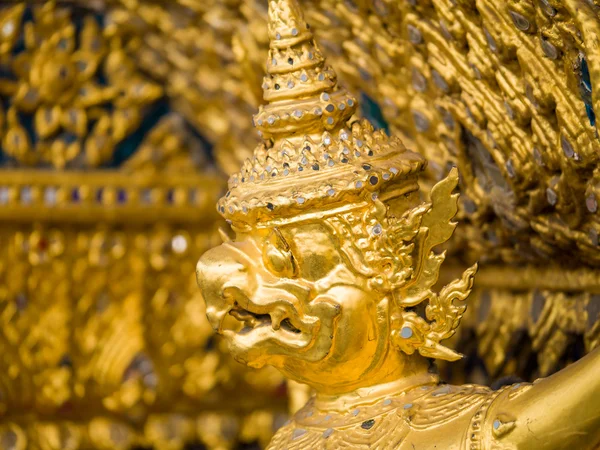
252	320
271	324
275	327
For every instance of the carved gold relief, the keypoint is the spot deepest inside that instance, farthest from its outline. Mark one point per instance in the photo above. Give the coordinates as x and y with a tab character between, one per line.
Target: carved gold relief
65	78
504	90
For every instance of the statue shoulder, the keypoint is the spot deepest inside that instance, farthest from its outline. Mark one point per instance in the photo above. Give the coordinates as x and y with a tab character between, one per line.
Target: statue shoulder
491	421
447	403
427	417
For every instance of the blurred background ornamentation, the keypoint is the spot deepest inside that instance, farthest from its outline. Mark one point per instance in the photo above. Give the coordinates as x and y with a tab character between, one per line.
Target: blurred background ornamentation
119	121
107	194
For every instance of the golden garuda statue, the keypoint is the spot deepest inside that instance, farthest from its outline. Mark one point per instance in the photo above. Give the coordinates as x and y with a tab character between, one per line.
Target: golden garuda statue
331	277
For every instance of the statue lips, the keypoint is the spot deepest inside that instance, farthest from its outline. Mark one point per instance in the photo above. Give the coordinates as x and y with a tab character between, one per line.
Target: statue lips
276	325
270	314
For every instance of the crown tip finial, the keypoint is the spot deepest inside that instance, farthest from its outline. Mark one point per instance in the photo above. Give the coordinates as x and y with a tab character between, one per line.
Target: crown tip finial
287	26
300	88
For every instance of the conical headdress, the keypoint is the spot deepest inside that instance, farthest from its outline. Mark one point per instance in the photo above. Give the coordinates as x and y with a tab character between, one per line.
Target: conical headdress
311	158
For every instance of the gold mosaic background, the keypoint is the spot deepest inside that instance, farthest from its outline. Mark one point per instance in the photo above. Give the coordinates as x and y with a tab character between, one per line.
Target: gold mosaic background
119	120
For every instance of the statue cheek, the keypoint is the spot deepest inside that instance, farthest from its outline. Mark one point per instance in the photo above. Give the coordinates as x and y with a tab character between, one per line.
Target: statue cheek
358	335
355	329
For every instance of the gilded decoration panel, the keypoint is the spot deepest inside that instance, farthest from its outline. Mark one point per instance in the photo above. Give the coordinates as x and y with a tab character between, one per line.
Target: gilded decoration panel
120	118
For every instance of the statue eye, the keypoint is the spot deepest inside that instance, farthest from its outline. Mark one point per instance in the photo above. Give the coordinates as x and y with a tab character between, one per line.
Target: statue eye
277	256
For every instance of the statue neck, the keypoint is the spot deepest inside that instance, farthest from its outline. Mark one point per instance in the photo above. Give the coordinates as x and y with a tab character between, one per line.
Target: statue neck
373	394
396	375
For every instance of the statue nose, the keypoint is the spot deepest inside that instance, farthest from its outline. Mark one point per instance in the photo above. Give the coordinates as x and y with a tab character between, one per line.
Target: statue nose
215	270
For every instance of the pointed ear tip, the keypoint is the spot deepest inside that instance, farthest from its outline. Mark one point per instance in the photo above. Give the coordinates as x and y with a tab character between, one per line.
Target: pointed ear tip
455	356
451	356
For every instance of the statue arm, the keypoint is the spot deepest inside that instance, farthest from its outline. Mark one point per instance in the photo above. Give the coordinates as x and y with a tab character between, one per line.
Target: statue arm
558	412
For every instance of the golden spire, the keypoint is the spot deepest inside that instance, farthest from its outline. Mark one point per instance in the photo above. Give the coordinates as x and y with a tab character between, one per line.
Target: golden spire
300	87
311	156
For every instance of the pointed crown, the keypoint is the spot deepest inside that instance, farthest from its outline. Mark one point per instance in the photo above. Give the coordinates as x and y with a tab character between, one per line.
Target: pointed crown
311	157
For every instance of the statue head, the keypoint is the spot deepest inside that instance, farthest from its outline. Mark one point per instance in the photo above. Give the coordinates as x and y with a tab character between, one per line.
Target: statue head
331	270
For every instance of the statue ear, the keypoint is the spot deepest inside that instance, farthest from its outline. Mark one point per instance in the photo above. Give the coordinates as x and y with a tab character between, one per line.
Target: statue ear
277	255
436	227
411	332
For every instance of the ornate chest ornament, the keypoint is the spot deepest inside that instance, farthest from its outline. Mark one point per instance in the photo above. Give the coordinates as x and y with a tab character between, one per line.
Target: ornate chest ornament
331	276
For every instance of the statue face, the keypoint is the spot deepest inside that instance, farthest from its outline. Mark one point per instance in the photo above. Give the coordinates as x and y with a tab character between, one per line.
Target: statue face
285	297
